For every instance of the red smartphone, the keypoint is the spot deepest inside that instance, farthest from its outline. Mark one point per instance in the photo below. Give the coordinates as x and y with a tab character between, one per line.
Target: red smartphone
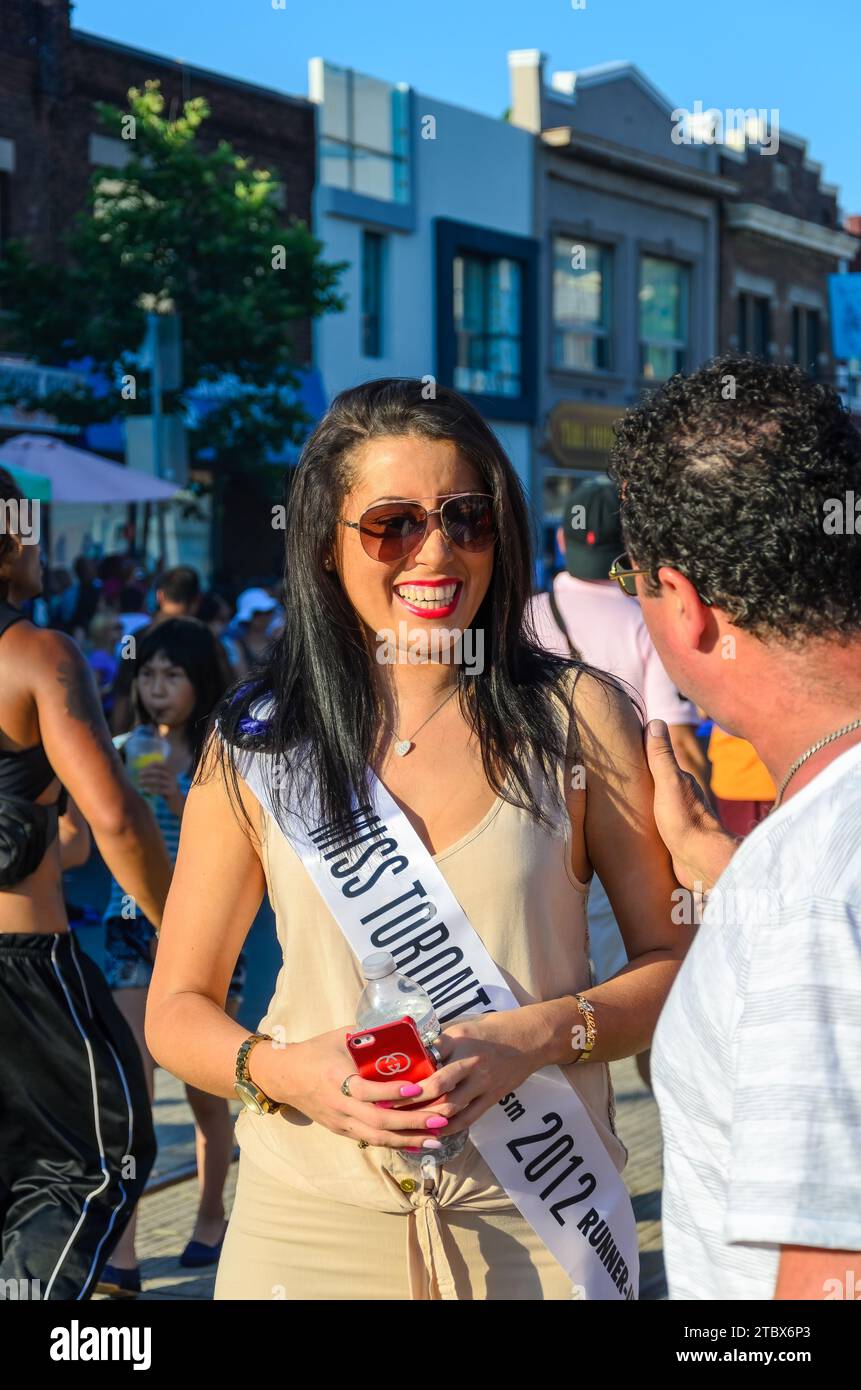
392	1052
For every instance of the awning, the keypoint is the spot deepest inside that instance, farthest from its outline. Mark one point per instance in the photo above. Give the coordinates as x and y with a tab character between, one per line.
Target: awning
77	476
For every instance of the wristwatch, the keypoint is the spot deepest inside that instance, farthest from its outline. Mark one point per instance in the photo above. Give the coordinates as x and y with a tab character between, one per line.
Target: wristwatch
248	1092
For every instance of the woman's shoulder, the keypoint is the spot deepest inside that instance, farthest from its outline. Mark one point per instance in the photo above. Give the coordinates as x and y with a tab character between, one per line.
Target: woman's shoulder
604	716
597	696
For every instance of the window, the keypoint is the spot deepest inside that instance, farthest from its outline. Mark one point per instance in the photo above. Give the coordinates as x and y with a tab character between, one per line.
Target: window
664	294
486	300
581	305
806	339
4	209
373	254
488	296
780	176
364	136
108	150
7	169
754	325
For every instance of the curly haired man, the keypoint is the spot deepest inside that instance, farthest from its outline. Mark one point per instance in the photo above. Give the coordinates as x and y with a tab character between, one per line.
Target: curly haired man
730	479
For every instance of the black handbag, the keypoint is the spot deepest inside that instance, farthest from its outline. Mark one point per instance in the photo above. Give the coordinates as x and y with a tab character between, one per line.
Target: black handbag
26	831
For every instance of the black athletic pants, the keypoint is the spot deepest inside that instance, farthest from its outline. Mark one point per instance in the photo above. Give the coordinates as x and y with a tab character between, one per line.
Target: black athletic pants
76	1135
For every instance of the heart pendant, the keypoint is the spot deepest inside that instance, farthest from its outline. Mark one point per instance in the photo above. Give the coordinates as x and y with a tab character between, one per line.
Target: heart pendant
403	747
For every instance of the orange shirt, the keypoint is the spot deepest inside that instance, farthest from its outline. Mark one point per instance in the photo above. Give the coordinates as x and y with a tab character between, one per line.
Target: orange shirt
737	773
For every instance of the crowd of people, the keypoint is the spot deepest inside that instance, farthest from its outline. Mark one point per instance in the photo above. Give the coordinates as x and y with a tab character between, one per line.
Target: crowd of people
636	823
101	603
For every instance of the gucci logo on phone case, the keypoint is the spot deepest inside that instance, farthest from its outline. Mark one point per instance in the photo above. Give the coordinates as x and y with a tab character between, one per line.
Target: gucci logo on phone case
392	1063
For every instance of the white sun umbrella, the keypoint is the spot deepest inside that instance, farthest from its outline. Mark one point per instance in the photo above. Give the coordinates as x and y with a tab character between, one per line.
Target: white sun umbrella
78	476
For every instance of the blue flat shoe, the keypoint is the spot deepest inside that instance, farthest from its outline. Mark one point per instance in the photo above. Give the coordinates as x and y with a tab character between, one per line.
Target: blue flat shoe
119	1283
196	1254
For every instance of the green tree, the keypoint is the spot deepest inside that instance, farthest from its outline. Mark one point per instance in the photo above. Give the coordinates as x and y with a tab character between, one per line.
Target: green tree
181	228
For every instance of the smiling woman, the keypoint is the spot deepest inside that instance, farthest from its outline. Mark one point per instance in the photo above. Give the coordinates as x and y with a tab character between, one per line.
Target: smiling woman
385	481
406	514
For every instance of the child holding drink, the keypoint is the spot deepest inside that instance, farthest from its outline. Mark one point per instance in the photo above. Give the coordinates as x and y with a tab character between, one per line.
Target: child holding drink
179	677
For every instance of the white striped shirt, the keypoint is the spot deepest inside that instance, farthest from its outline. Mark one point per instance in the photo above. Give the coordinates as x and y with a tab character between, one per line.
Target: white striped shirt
757	1055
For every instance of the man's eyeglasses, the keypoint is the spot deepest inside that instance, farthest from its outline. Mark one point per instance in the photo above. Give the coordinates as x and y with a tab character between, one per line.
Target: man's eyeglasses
627	579
390	531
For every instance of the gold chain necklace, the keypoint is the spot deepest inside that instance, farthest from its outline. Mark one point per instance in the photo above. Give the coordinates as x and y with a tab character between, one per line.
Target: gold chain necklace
814	748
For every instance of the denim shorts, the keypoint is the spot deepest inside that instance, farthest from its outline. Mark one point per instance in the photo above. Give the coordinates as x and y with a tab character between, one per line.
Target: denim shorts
128	964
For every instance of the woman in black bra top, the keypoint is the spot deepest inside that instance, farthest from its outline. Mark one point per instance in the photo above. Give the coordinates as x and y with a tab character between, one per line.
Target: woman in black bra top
73	1104
27	825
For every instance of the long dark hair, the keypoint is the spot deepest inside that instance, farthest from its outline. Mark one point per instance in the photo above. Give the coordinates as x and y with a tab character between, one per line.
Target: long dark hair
318	677
187	643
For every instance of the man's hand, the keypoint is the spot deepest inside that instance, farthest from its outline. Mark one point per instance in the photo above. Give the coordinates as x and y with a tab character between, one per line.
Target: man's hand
689	754
700	847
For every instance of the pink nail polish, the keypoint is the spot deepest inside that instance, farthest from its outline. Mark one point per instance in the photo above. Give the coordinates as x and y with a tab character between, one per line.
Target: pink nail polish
408	1150
437	1122
385	1104
431	1144
411	1089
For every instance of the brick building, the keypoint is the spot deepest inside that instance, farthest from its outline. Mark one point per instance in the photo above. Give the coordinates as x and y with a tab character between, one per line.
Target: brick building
50	140
780	240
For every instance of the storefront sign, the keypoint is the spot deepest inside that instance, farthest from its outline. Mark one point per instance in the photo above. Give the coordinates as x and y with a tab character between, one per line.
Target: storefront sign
580	435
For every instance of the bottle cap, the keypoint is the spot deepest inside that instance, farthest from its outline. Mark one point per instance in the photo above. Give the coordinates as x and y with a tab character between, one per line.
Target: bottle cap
378	965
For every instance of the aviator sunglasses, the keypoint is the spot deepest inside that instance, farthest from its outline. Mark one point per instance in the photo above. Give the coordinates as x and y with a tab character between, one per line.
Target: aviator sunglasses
626	578
389	531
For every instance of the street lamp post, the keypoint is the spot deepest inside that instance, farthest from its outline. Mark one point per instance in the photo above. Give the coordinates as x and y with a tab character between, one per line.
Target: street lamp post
155	404
163	356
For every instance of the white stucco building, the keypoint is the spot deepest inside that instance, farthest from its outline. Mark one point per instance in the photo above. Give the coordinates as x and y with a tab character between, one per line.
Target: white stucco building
431	206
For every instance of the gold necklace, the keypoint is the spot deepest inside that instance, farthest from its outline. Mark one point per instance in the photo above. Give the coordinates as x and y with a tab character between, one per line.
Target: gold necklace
814	748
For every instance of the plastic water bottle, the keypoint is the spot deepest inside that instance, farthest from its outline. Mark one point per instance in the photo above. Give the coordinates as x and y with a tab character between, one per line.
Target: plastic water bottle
388	996
144	747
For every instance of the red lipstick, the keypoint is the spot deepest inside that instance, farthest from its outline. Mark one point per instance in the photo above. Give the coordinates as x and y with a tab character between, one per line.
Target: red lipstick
424	610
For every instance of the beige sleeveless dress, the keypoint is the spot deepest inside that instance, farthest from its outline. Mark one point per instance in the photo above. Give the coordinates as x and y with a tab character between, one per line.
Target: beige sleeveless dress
315	1216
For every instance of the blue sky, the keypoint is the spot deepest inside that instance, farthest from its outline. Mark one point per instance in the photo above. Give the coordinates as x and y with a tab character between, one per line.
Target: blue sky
798	56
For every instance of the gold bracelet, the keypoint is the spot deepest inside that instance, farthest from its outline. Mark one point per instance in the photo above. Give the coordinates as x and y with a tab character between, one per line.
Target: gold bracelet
587	1013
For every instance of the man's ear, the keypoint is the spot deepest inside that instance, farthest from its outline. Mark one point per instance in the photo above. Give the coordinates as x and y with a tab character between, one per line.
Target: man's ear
688	606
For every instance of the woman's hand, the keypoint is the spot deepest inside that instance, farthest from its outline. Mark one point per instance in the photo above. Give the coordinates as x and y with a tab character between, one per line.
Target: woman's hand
483	1059
308	1077
157	780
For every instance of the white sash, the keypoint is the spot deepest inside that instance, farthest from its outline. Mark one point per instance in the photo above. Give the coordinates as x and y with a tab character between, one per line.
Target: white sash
386	893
